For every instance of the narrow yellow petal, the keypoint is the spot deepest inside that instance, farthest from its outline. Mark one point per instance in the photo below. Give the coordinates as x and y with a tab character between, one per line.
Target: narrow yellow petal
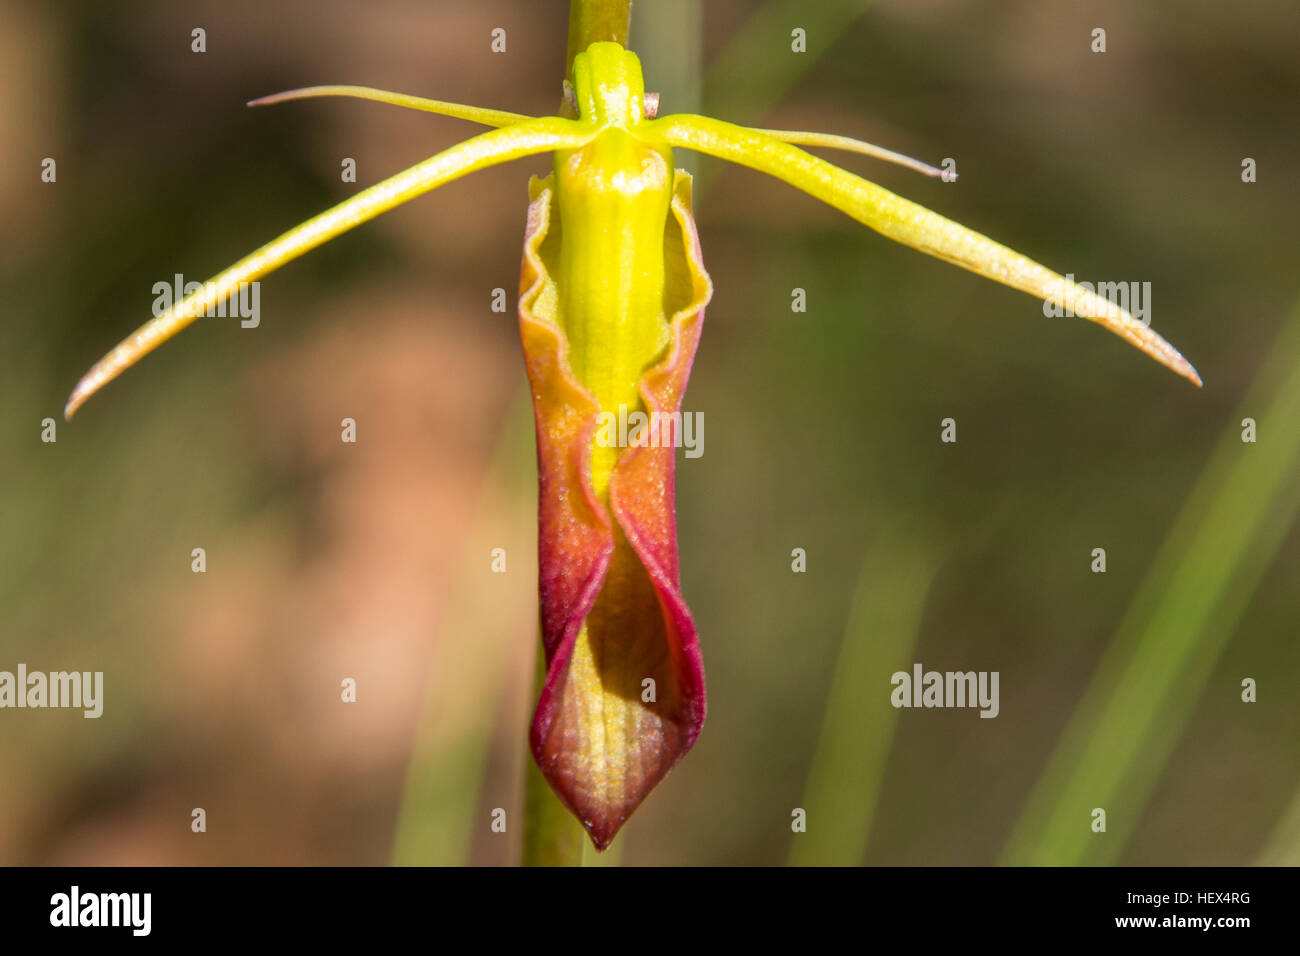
498	146
472	113
913	225
847	143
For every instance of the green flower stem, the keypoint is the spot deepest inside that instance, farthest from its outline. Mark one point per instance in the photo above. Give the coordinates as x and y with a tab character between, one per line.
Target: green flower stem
593	20
552	837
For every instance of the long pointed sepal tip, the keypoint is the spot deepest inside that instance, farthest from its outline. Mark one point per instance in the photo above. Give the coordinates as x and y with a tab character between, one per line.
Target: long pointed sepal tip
1157	347
475	114
83	390
906	222
516	141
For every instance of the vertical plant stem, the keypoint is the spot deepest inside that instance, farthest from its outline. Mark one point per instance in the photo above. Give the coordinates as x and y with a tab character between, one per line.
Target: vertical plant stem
552	837
593	20
589	22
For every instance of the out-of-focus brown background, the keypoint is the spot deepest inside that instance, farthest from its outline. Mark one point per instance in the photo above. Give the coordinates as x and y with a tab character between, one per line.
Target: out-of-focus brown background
372	561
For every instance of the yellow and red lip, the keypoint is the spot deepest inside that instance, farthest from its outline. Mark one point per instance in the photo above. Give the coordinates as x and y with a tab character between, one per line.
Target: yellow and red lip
623	698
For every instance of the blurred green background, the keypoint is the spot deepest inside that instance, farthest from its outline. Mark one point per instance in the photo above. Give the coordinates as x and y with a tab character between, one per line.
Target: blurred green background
372	561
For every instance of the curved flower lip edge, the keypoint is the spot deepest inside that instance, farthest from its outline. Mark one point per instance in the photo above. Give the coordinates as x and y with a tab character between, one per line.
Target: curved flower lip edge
652	532
641	495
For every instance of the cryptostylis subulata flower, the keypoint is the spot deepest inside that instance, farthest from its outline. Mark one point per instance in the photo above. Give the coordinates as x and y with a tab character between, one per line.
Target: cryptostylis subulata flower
612	299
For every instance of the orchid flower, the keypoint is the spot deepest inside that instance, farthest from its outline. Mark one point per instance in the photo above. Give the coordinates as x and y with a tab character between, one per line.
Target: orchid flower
613	292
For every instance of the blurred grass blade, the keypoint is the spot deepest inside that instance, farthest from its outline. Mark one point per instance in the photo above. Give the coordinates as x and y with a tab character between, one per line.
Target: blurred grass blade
735	91
436	821
669	39
765	38
857	733
1225	537
1283	845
